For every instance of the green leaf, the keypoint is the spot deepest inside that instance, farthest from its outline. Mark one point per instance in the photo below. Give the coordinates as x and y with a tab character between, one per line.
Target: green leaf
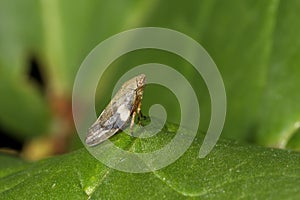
280	108
239	38
11	164
23	108
230	171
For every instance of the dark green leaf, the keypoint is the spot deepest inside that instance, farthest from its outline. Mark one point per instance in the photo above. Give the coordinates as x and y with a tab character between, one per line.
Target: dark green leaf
230	171
280	109
23	109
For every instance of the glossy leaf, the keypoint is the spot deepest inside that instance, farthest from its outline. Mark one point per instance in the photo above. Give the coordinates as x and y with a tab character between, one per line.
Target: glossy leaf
231	170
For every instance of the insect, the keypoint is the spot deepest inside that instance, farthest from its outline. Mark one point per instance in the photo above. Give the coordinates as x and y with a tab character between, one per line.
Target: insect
125	105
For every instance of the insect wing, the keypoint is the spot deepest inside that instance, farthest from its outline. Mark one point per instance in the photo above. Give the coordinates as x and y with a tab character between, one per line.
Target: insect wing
113	117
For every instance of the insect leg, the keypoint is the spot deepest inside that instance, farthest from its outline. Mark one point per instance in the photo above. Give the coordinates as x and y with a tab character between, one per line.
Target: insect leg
132	122
140	115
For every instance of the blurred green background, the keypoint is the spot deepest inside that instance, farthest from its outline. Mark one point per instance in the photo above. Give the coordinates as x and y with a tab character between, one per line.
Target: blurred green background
254	43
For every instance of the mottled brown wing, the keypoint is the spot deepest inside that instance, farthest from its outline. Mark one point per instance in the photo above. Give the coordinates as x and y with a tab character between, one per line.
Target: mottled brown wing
113	118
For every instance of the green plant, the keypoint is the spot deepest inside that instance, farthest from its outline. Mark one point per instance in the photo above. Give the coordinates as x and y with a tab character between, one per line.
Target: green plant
255	46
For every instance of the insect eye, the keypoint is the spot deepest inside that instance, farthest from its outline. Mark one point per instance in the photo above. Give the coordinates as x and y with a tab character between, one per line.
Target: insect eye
140	81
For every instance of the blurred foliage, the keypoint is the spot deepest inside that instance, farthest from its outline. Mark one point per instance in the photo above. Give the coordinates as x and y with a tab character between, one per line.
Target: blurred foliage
254	44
